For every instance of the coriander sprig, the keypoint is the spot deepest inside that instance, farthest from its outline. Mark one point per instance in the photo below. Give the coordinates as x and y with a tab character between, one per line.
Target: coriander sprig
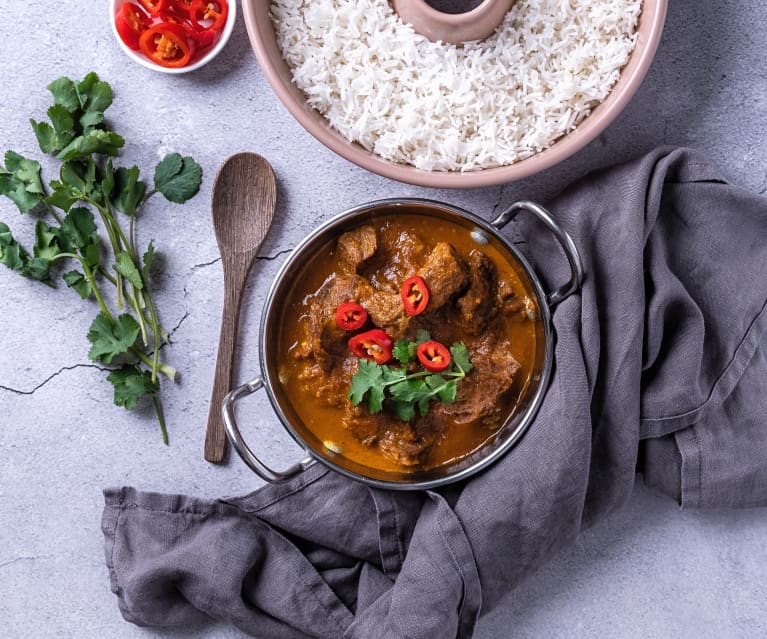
78	136
405	392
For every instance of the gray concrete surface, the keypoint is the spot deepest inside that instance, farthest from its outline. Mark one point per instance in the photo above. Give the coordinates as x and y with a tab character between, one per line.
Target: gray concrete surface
649	571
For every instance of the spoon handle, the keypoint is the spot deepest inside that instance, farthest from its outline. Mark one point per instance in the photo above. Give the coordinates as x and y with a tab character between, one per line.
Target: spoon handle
235	274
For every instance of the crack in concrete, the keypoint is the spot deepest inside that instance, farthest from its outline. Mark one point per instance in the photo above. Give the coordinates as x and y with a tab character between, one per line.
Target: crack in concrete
24	558
269	258
195	267
499	201
49	378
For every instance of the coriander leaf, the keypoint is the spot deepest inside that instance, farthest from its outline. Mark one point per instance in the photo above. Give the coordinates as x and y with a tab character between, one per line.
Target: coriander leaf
78	232
131	384
96	141
46	242
177	178
79	227
434	381
410	390
404	410
369	376
460	356
12	254
20	181
76	280
63	196
38	268
95	95
404	351
46	136
447	392
108	180
125	266
148	259
65	93
422	336
80	175
391	375
423	406
129	190
110	340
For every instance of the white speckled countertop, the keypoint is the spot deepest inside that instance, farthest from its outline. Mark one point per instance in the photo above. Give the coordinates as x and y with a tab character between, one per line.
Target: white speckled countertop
649	571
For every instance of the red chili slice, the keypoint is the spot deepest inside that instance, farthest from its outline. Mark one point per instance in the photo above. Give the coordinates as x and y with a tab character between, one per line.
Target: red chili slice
433	356
167	44
153	7
374	345
131	21
209	14
351	316
415	295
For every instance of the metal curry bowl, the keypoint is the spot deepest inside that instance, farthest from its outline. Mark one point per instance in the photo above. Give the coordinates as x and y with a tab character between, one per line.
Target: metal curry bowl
498	443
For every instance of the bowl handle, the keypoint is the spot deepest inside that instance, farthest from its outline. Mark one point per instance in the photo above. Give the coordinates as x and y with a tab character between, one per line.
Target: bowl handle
565	241
243	450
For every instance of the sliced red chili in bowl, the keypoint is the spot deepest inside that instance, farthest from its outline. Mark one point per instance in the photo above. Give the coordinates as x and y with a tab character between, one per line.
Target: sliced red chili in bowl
153	7
434	356
415	295
209	14
350	316
131	21
374	345
167	44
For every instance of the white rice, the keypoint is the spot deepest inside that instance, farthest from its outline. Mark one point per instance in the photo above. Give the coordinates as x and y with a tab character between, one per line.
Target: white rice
442	107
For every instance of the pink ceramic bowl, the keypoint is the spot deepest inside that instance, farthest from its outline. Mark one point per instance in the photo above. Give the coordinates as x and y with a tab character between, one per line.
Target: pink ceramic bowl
262	38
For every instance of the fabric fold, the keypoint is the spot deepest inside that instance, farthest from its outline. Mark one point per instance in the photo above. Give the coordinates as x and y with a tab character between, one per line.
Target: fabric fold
659	366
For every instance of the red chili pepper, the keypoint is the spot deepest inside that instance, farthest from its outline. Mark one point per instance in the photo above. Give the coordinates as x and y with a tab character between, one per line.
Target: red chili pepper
183	7
433	356
153	7
209	14
351	316
167	44
131	21
374	345
415	295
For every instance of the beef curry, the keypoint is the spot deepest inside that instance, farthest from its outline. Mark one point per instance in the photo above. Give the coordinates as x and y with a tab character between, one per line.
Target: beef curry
394	282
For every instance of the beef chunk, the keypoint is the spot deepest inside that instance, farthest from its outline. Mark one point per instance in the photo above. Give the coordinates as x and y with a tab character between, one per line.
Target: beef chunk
385	310
406	443
402	445
364	426
323	336
477	305
479	394
445	275
355	247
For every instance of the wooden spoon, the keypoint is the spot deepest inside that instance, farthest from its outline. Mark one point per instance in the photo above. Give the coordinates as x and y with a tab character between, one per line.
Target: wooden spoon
243	201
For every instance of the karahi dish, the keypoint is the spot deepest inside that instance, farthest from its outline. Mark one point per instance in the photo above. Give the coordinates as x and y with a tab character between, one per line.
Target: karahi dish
406	343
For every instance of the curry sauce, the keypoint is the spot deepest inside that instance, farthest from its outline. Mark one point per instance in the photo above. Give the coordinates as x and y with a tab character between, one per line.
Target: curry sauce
479	295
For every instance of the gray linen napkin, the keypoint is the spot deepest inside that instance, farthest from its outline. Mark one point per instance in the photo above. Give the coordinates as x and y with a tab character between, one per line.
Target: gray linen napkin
659	366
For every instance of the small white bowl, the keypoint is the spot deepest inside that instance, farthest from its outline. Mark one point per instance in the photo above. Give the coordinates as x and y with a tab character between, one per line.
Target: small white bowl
136	56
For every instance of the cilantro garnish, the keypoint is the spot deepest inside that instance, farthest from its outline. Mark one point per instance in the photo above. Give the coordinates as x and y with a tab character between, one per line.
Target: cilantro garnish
78	136
404	392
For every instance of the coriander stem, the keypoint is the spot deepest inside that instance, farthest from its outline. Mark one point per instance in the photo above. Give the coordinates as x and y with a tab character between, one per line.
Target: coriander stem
161	419
165	369
141	320
96	292
107	275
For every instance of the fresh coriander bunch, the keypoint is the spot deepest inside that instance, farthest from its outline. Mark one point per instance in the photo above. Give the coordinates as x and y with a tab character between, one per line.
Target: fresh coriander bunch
92	188
409	387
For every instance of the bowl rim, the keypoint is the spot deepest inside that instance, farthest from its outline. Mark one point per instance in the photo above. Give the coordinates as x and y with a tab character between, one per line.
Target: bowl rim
517	423
649	31
231	18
